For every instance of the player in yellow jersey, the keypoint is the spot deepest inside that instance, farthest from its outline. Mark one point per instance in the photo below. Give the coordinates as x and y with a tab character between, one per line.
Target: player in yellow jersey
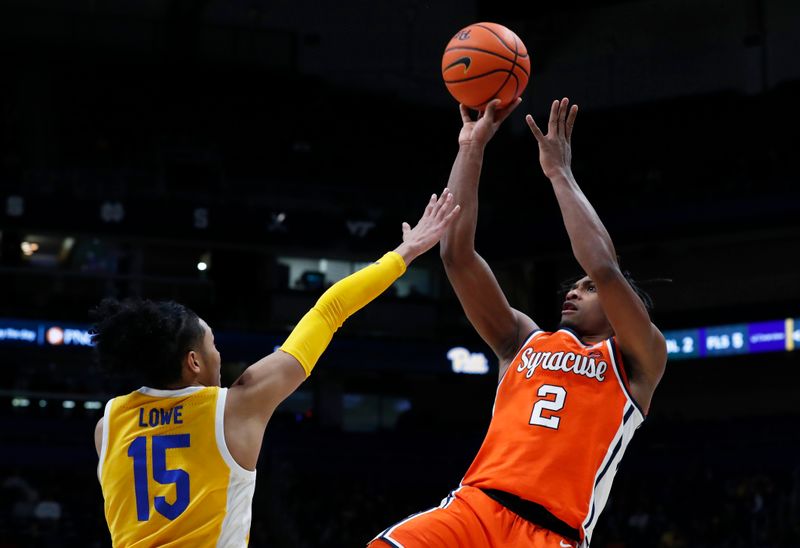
178	455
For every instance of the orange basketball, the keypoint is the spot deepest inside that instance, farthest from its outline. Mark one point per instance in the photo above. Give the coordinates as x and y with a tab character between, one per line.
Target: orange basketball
485	61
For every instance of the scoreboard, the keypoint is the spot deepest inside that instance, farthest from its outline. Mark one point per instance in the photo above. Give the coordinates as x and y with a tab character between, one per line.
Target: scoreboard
725	340
41	333
702	342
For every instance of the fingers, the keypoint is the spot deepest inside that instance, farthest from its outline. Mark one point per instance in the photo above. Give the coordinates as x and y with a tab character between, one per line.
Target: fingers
440	208
444	205
465	117
491	109
573	113
503	114
439	214
430	207
434	204
452	215
562	119
534	128
446	210
552	124
562	116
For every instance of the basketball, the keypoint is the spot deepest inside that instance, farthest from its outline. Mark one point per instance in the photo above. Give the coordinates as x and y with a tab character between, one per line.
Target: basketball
485	61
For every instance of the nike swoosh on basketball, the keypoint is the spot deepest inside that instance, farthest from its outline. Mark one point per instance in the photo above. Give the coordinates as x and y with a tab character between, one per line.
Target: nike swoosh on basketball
561	543
466	61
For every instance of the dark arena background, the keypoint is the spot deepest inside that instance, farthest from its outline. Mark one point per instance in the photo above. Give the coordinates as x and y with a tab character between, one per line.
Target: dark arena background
240	156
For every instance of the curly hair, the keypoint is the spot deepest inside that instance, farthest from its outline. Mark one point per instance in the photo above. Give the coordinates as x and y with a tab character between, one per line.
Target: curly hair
645	297
145	339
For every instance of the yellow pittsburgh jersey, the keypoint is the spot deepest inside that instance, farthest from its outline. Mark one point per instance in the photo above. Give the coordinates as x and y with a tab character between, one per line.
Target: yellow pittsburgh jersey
167	476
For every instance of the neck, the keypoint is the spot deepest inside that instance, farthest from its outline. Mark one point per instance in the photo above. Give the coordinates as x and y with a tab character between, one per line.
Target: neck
183	383
589	338
595	338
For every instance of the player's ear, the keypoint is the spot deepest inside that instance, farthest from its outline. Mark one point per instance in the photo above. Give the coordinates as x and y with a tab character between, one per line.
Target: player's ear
192	362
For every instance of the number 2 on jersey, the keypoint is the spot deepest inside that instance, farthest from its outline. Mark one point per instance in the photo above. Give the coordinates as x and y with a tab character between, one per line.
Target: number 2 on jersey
138	452
551	405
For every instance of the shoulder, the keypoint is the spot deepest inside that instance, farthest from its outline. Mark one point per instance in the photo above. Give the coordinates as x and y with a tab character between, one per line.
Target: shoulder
643	368
526	336
532	332
650	352
98	435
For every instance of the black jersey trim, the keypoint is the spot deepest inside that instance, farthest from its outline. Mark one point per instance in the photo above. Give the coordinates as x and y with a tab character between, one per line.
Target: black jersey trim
528	338
525	342
616	357
533	512
575	334
600	476
628	414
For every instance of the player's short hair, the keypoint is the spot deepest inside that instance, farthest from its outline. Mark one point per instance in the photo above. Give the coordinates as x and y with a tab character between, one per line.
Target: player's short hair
643	295
144	339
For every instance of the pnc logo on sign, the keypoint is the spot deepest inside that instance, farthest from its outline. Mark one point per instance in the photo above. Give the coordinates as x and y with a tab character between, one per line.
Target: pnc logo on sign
55	336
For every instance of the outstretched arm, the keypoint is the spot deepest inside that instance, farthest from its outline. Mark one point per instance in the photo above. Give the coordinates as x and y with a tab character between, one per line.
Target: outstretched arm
265	384
484	303
639	340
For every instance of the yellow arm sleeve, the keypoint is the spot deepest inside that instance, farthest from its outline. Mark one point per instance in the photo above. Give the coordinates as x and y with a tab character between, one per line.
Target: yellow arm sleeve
311	336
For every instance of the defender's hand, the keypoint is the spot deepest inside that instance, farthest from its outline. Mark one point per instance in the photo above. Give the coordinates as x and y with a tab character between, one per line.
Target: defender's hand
438	215
479	132
555	149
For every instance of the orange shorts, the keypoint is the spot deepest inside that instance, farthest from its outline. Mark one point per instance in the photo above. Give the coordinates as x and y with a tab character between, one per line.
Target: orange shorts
468	518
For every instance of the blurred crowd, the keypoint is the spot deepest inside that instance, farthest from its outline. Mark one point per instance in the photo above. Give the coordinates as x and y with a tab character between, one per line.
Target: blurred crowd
319	488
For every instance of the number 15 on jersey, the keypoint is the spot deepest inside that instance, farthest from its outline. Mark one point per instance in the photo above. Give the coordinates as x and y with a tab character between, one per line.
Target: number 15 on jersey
138	452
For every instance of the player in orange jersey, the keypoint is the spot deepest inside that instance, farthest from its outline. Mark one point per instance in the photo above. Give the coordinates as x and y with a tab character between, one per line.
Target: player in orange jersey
178	456
568	401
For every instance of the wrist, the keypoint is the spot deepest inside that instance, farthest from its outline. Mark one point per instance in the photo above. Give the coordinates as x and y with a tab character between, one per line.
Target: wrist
408	252
562	175
471	147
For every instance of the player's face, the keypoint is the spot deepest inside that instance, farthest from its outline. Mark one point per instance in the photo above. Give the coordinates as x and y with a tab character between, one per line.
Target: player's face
210	374
582	311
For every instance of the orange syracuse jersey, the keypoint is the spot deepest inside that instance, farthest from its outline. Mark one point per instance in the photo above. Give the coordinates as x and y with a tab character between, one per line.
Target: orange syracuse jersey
562	419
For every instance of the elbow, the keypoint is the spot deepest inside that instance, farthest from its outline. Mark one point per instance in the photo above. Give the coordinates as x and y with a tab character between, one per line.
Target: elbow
454	250
446	254
446	251
452	257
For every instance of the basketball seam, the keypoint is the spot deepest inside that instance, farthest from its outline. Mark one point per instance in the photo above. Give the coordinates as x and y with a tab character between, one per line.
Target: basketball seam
490	53
510	72
485	102
516	53
516	80
479	76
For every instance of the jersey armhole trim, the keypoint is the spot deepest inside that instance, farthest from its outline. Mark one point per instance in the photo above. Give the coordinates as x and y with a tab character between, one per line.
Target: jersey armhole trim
612	350
222	445
528	338
104	439
531	335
